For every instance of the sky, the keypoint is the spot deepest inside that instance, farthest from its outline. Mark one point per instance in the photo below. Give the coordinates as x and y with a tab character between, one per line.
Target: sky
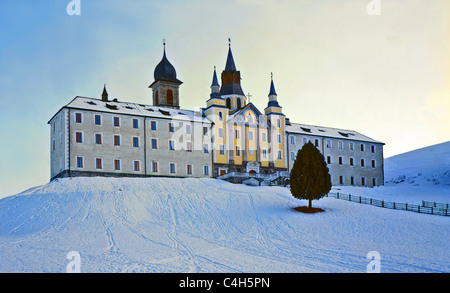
379	67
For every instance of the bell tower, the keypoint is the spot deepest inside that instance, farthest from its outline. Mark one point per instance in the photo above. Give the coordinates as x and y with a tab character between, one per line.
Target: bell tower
166	85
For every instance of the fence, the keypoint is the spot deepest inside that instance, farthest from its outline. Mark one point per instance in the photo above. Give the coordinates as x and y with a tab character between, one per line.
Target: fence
427	207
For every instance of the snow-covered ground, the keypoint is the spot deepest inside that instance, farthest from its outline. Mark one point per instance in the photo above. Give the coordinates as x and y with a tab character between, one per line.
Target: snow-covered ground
208	225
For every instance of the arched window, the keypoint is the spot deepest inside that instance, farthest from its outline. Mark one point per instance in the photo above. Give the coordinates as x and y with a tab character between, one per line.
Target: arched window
228	103
238	103
169	97
156	99
220	116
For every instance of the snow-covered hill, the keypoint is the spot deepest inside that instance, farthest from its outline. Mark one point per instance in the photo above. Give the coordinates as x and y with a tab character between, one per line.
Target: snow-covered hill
426	166
207	225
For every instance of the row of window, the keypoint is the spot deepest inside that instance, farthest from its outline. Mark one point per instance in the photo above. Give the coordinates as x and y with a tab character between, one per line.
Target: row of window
353	180
329	144
153	123
117	166
351	161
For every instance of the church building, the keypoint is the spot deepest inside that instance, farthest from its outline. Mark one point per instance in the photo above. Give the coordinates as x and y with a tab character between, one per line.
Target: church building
229	139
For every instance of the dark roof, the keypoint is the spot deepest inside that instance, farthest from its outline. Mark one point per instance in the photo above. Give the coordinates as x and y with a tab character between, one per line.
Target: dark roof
272	89
231	89
165	70
215	82
230	61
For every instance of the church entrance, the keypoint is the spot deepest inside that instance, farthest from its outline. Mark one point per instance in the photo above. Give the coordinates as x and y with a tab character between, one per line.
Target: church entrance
252	172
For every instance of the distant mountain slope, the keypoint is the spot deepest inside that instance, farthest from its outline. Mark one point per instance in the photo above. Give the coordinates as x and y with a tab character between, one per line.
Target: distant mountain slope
425	166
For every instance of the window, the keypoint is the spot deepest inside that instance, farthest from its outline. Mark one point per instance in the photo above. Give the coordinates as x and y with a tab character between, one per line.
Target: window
221	149
53	144
362	147
328	143
188	129
340	144
205	130
173	168
98	163
205	148
135	124
280	155
98	119
135	141
189	169
116	121
154	143
137	166
78	118
171	127
263	136
78	137
374	181
221	132
352	180
250	135
169	97
292	156
80	163
154	166
328	160
278	122
239	103
220	116
237	134
98	138
352	163
374	164
363	181
171	145
206	170
238	151
264	153
362	163
117	164
117	140
372	148
316	142
189	146
278	138
292	139
153	125
350	145
340	161
228	101
341	179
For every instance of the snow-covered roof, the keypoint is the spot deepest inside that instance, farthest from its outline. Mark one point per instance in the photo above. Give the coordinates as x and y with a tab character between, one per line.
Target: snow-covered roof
126	108
328	132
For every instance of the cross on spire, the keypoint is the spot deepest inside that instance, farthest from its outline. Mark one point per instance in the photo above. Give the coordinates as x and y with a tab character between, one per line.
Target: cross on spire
248	97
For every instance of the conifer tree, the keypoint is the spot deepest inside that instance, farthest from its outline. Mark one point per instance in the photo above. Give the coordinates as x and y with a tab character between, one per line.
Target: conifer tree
310	178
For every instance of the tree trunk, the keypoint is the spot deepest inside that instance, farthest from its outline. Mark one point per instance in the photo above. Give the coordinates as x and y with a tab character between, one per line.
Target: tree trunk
309	205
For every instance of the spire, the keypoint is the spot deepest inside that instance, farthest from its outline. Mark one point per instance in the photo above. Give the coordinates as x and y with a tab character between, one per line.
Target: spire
215	82
272	94
165	70
272	87
104	94
230	61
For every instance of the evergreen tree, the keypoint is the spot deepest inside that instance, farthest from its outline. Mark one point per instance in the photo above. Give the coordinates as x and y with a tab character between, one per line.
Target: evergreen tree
309	176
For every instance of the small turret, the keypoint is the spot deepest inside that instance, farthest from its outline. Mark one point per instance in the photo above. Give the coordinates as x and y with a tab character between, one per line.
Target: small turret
104	94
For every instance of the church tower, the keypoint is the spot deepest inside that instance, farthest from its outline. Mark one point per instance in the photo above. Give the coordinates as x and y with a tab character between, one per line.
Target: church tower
277	120
231	90
166	85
